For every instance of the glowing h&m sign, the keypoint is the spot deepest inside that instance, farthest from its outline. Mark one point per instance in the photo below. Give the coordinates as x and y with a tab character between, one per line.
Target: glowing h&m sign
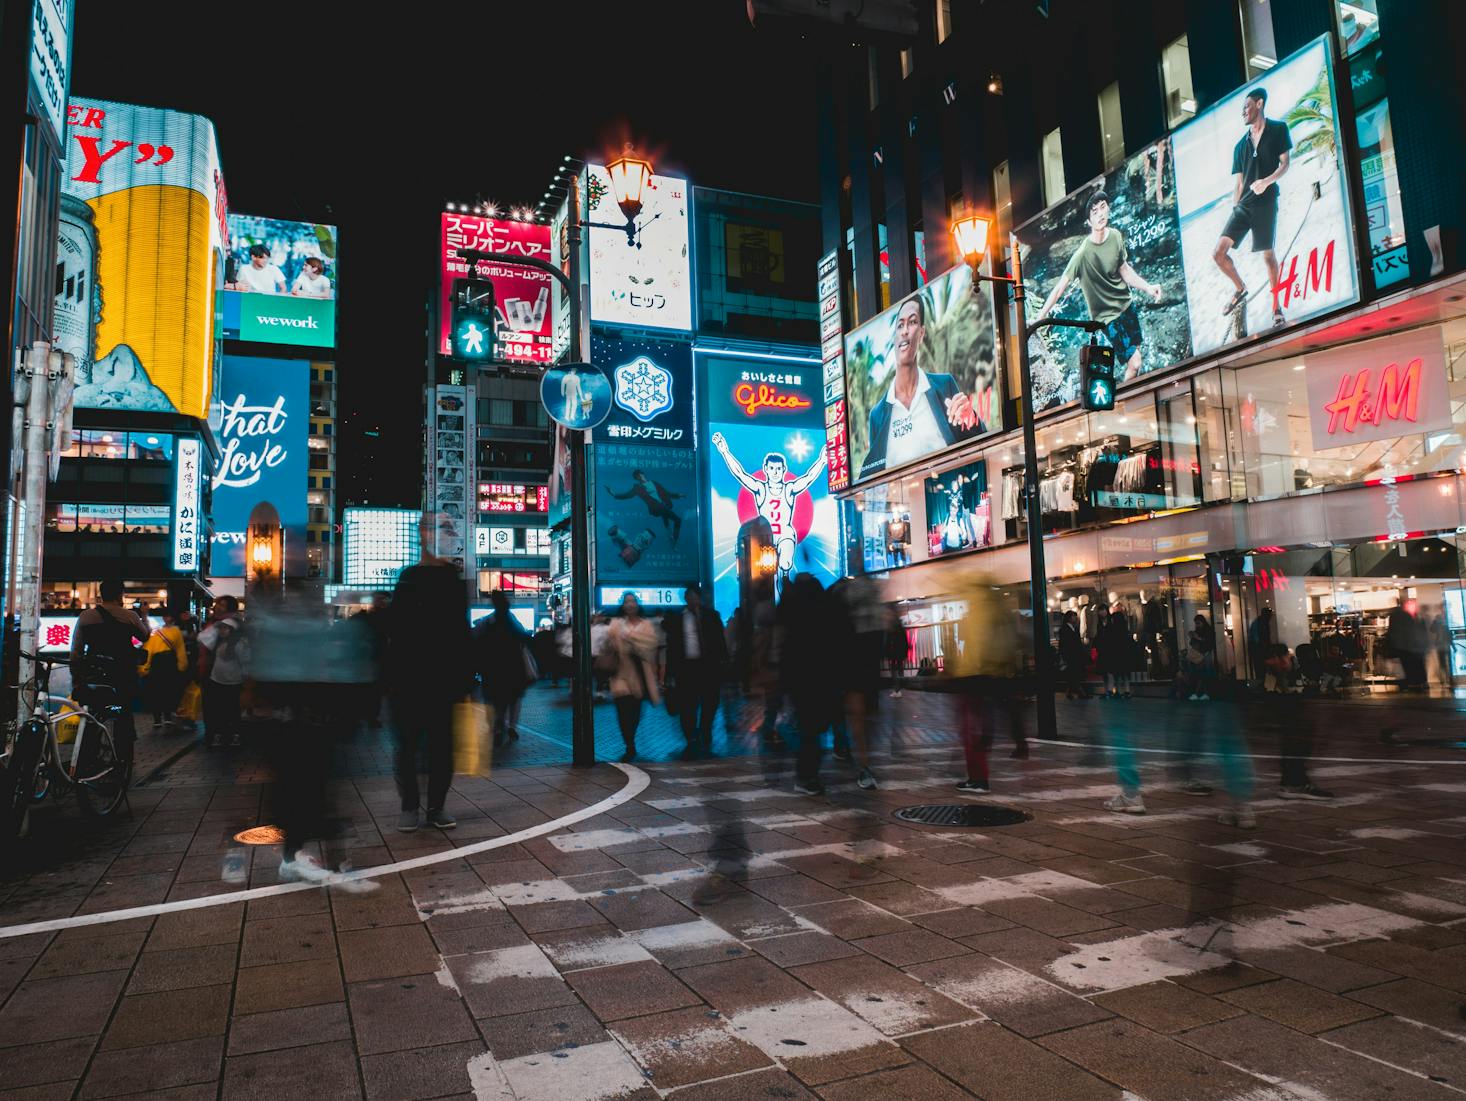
1379	389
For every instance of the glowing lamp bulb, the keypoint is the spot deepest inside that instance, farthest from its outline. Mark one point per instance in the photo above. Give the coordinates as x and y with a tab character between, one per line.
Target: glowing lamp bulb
971	234
630	175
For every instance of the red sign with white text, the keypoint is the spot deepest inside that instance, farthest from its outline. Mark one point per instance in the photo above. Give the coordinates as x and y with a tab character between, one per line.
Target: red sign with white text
1378	389
521	294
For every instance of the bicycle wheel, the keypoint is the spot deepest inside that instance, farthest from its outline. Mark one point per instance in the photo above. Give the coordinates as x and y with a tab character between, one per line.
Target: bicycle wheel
101	775
18	780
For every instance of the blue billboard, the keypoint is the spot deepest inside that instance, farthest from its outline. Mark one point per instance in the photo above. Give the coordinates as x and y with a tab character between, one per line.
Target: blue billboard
766	458
646	524
265	419
651	390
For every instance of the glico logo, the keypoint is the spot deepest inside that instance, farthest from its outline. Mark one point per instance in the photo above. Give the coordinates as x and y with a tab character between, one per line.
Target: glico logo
1397	395
752	398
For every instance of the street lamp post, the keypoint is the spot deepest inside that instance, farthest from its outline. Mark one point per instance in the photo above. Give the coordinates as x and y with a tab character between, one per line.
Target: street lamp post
629	177
971	232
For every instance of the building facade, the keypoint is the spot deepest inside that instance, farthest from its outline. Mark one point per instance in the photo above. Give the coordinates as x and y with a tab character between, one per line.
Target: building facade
1294	446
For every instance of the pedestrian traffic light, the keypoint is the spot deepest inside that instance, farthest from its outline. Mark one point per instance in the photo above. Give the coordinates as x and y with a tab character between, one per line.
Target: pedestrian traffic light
1097	373
473	320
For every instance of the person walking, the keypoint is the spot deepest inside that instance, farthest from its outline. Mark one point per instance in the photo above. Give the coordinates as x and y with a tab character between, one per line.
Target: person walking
815	637
693	673
504	663
164	671
223	654
1074	656
104	667
1406	640
1116	652
1201	657
867	616
632	642
428	670
374	621
1262	632
985	671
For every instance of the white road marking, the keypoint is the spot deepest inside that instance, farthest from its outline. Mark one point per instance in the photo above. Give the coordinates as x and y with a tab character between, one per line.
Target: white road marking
1272	757
637	782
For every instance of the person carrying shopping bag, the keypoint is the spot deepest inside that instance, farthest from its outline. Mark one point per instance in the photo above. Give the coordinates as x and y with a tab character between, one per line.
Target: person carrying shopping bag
633	642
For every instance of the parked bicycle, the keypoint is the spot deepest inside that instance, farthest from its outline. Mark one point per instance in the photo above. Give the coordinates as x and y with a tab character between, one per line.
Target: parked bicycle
33	766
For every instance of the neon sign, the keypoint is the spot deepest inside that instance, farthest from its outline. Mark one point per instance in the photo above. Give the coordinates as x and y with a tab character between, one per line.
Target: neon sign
1397	396
752	398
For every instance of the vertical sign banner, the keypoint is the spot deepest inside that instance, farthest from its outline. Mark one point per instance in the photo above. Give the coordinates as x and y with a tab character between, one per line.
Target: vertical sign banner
766	458
187	481
522	295
264	426
1233	202
649	284
651	390
559	488
150	179
280	282
646	523
832	358
452	459
51	59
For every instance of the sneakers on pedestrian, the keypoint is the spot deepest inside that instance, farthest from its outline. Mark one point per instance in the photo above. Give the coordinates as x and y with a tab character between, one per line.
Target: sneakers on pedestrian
1124	804
1195	787
1304	791
809	787
866	780
628	756
895	693
305	868
842	753
442	819
974	786
407	821
1241	817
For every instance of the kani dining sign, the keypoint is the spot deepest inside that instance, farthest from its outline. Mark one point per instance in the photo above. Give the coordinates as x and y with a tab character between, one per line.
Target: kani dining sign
264	424
1378	389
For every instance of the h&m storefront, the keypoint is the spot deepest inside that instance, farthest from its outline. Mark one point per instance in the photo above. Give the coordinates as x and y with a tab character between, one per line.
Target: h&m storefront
1318	475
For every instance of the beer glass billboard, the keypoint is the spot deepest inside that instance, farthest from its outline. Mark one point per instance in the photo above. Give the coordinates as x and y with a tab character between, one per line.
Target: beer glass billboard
1264	205
922	376
1108	252
142	251
280	282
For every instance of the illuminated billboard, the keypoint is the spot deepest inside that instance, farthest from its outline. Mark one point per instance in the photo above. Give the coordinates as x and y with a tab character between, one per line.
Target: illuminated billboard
503	497
1109	252
832	372
280	282
188	475
649	283
377	544
525	322
148	253
264	423
922	376
651	390
646	515
1263	200
766	458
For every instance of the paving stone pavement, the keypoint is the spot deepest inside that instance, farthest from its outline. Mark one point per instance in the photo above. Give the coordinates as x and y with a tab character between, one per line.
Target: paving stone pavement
721	938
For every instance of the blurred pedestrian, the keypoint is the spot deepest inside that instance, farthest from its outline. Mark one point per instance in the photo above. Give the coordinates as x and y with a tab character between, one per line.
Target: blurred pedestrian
897	646
164	671
1262	633
1116	652
374	621
1406	640
631	640
428	670
764	652
506	666
985	671
1073	656
1201	658
867	641
223	655
813	632
104	667
693	673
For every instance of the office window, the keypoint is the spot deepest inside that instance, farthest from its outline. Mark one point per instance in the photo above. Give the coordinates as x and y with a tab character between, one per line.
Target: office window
918	254
944	20
1112	134
908	62
1176	78
1257	36
1002	202
1052	161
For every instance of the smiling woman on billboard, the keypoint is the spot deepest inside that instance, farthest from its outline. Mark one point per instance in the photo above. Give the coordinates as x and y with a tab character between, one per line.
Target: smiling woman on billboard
922	376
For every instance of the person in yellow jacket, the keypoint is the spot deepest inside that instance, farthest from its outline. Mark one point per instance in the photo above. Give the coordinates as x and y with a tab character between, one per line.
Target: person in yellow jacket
164	671
985	670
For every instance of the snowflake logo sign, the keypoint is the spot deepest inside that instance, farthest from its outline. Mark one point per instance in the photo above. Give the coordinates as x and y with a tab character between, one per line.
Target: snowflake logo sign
643	388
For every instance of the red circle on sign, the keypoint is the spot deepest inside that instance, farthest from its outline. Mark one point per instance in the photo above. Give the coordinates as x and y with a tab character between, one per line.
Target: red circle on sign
803	507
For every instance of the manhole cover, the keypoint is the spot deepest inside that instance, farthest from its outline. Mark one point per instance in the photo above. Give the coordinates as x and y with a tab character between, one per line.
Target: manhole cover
961	814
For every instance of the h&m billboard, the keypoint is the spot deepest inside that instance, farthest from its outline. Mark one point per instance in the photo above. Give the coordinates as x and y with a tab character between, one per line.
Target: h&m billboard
141	254
265	419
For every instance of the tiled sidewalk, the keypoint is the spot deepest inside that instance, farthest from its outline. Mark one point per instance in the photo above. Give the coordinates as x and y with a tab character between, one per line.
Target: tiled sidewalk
720	939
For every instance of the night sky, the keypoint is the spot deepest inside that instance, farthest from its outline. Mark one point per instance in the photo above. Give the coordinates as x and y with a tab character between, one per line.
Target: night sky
482	98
